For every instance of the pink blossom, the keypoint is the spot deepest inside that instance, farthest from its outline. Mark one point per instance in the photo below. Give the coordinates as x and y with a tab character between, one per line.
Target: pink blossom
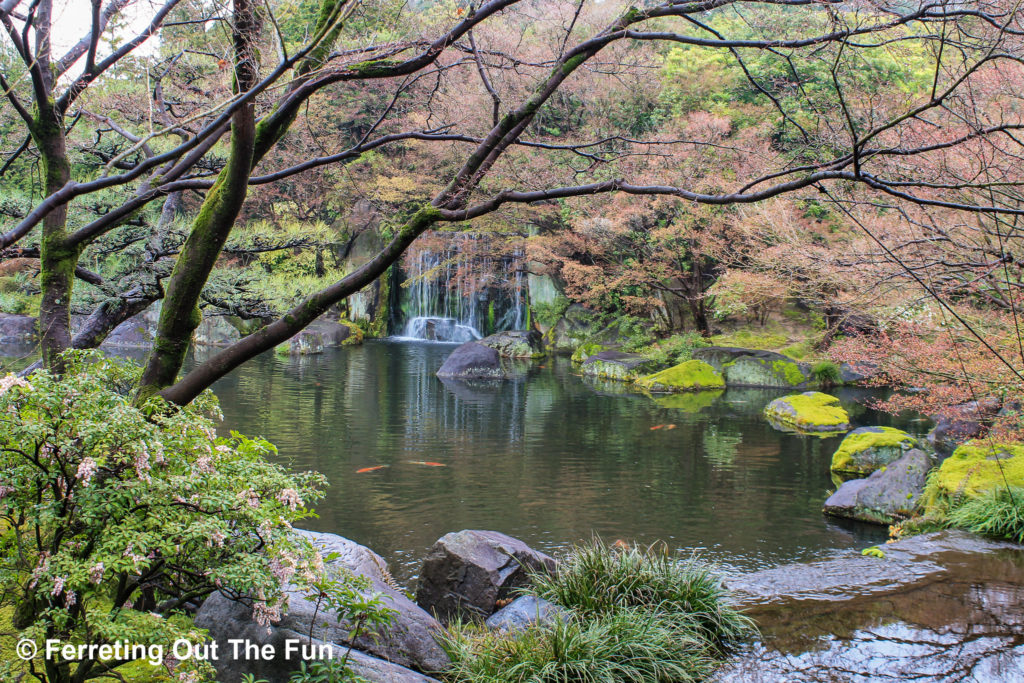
96	573
13	381
291	498
86	470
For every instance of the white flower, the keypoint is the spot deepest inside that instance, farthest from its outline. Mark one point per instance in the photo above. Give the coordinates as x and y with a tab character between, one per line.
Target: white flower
58	586
6	491
205	464
13	381
96	573
291	498
86	470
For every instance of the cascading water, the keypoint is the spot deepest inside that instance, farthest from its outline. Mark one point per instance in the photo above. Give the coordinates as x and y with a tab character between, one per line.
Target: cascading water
450	295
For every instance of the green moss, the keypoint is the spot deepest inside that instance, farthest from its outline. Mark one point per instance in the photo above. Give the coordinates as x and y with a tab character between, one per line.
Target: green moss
693	375
810	411
862	452
690	401
746	339
790	371
975	468
585	351
355	338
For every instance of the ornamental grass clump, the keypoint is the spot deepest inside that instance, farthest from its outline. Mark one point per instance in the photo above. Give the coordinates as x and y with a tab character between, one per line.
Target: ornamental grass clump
596	579
631	614
998	512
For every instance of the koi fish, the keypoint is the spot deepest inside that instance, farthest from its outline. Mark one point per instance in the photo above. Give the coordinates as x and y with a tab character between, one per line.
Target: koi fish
670	426
426	463
371	469
656	427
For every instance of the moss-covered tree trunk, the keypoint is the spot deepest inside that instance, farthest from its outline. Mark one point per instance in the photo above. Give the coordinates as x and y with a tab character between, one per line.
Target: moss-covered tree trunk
57	257
180	315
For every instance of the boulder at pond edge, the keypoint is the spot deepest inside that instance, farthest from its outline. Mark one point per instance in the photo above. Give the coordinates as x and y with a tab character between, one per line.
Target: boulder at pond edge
865	449
473	360
889	495
753	368
811	411
467	572
976	467
410	641
692	375
618	365
516	344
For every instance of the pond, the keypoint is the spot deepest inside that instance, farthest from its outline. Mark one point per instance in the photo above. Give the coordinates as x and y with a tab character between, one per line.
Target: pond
551	458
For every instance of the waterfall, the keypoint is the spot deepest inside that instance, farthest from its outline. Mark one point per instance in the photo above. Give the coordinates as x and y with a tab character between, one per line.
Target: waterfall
452	295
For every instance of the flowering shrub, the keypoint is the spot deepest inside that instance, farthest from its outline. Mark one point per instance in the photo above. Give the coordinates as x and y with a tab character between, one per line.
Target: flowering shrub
114	518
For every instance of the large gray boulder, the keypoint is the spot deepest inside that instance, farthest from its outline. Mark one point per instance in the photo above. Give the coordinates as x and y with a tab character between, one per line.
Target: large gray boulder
17	329
516	344
523	612
887	496
135	332
753	368
618	365
332	332
467	572
291	649
961	424
216	330
409	641
473	360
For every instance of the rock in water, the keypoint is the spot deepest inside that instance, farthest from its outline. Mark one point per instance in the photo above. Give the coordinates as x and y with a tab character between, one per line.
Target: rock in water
523	612
866	449
467	572
473	360
692	375
409	641
752	368
516	344
17	328
617	365
890	494
811	411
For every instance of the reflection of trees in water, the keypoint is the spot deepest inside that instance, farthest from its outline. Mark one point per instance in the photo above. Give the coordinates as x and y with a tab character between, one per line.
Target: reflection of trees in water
967	626
720	445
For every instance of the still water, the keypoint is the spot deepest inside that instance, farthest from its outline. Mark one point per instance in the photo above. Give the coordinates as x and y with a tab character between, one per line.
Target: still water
551	458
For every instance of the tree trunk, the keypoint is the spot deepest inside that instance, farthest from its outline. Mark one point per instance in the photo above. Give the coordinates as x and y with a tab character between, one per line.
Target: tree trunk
57	260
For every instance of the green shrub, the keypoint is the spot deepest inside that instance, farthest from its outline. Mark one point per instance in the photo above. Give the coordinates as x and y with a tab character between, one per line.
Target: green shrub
827	373
675	349
547	314
114	516
623	645
595	580
998	512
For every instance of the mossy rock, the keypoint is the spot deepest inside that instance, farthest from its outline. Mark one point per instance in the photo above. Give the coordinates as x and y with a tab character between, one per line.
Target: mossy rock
692	375
617	365
867	449
753	368
355	336
516	344
690	401
810	412
585	351
975	468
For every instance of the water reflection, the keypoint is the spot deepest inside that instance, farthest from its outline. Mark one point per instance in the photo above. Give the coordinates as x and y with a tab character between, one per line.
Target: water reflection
551	457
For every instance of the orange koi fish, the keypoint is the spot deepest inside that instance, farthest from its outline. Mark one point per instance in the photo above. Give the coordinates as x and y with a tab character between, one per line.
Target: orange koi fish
426	463
371	469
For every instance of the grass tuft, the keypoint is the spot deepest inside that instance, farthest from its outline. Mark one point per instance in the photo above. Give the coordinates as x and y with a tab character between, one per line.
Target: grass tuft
998	513
595	580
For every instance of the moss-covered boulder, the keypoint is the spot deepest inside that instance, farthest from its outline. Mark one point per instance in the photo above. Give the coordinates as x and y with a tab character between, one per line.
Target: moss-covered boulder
889	495
617	365
692	375
585	351
974	468
752	368
811	411
866	449
516	344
